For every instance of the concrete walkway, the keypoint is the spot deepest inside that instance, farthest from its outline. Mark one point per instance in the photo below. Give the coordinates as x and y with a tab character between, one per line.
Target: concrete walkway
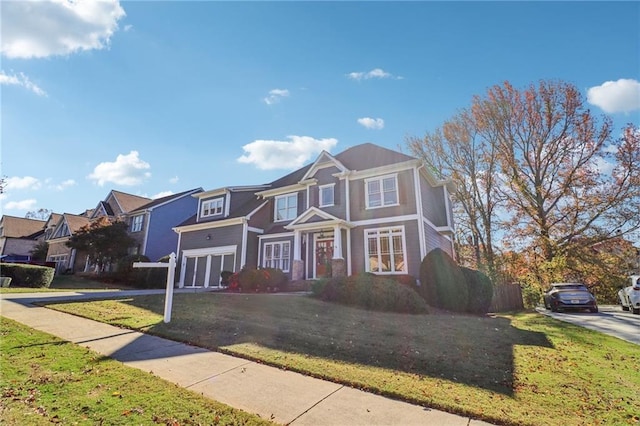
283	396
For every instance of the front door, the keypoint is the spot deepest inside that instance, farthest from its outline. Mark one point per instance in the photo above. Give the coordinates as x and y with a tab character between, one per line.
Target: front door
323	255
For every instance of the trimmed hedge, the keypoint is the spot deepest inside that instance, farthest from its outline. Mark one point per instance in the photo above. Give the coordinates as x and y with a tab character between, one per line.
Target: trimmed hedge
32	276
442	282
370	292
251	280
480	290
141	277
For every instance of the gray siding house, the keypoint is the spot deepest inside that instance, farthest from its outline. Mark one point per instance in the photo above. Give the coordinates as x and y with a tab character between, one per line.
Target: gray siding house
366	209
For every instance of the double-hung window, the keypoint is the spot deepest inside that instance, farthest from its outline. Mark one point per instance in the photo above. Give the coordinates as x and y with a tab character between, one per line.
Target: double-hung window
212	207
277	255
327	195
382	191
385	249
286	207
136	223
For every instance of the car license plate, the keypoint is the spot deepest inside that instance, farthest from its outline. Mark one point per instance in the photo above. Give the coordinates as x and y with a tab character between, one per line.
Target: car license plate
575	301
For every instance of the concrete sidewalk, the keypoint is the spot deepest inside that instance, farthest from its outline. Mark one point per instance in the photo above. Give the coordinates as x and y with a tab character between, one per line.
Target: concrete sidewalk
283	396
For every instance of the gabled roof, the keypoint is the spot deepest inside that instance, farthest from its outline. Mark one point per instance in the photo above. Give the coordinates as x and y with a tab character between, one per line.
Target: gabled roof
369	156
128	202
324	159
247	205
313	217
20	227
165	200
74	223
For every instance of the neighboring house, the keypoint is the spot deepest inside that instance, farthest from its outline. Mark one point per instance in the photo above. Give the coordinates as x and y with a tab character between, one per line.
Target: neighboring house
18	237
366	209
115	206
66	258
151	224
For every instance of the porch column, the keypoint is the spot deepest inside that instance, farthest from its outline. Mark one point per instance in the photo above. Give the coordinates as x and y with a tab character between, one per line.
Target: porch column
297	267
338	266
337	243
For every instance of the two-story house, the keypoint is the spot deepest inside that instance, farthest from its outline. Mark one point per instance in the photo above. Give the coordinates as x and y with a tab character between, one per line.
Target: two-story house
366	209
116	205
150	225
18	237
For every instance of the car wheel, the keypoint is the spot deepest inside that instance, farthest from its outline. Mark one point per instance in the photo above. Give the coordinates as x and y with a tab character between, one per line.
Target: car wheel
624	308
554	308
593	310
636	311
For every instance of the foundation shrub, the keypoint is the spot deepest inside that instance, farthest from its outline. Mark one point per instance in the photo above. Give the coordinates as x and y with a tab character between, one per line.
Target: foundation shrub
442	282
23	275
370	292
480	290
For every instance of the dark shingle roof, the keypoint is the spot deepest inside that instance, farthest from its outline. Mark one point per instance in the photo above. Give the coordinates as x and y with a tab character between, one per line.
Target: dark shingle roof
20	227
369	156
165	199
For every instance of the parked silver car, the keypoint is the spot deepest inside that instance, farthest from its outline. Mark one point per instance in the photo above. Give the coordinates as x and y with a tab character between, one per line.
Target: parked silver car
629	297
569	296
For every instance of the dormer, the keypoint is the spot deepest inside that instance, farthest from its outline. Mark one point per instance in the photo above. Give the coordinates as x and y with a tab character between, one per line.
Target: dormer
220	203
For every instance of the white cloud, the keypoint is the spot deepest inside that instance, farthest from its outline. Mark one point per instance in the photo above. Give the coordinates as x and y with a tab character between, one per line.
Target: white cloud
371	123
126	170
65	184
27	182
275	96
22	81
270	155
162	194
174	179
38	29
616	96
374	73
21	205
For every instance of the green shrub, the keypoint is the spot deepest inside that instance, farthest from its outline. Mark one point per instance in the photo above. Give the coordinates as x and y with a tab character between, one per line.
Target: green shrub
141	277
317	287
442	282
28	275
480	289
370	292
258	280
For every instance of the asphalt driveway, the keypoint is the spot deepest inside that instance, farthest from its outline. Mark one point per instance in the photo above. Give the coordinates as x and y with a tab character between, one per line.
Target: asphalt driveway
611	320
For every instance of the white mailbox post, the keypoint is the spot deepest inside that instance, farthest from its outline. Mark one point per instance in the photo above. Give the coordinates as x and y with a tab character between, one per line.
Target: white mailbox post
171	271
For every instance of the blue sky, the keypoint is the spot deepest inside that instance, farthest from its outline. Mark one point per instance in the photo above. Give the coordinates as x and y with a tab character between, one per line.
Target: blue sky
153	98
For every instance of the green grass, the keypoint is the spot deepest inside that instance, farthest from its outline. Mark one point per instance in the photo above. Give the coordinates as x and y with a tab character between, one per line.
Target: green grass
65	283
510	369
46	380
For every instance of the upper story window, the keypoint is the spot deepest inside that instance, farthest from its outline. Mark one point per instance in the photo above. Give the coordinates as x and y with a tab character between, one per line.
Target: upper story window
212	207
136	223
382	191
327	195
286	207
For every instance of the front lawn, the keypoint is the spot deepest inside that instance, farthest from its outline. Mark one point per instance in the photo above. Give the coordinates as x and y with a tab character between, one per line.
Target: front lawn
509	369
46	380
66	283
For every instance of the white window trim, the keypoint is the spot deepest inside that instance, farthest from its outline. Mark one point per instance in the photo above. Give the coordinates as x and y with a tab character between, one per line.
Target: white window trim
216	205
380	179
275	207
136	223
281	258
333	195
376	231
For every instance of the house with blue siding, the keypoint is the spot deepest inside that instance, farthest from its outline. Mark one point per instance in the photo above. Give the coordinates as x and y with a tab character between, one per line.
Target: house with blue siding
366	209
151	225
